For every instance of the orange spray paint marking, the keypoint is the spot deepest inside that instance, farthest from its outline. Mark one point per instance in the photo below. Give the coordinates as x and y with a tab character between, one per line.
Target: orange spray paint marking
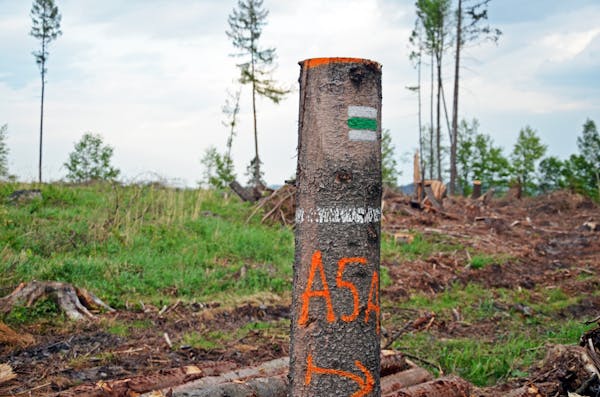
311	63
347	284
365	386
316	263
373	306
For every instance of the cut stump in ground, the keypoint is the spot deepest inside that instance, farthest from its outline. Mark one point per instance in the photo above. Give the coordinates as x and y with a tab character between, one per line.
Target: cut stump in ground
75	302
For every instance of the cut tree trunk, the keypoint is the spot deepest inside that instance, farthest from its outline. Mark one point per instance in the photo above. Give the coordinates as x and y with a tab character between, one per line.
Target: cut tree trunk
242	192
476	190
335	341
75	302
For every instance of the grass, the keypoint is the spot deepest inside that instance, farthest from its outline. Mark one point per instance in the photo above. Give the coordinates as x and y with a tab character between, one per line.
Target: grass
493	356
158	245
421	247
142	242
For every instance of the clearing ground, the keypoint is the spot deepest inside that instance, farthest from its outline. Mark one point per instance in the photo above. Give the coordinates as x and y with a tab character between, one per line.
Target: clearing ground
499	283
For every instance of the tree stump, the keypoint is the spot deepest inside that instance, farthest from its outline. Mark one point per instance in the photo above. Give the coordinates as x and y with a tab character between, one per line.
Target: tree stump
75	302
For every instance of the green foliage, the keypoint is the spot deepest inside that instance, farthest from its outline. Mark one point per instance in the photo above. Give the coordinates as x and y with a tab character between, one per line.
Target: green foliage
254	172
589	144
245	28
41	310
421	247
91	160
552	174
589	148
580	172
524	157
3	152
45	19
479	159
389	165
433	15
494	357
481	261
143	242
218	169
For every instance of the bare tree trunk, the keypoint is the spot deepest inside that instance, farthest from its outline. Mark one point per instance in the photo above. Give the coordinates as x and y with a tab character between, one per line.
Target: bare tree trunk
454	135
335	341
431	134
420	113
438	134
43	72
256	177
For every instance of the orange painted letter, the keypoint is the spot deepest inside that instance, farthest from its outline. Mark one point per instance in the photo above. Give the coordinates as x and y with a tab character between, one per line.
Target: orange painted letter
316	263
347	284
373	306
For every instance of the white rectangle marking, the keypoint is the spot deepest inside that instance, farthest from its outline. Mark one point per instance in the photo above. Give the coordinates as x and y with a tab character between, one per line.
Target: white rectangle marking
362	135
362	111
338	215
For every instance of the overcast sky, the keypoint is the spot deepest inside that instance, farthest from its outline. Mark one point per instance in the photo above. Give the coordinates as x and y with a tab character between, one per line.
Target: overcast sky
151	77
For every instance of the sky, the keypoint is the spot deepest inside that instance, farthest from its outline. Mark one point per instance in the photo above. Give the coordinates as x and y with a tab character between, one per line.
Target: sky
151	77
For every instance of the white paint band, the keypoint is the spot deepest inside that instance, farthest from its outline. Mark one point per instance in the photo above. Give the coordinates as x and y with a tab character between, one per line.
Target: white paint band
338	215
362	111
362	135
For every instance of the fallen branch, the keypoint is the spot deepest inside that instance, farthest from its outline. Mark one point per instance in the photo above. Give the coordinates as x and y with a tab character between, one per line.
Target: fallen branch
75	302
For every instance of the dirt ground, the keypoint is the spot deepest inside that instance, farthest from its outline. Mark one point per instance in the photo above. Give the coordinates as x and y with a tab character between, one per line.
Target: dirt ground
553	241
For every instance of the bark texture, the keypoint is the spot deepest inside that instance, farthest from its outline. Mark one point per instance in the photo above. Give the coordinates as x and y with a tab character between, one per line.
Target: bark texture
335	341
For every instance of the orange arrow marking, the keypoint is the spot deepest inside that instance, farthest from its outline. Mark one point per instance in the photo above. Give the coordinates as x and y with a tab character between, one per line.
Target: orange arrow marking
365	386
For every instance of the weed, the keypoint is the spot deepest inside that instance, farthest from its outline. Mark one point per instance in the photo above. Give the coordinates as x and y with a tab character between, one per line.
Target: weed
43	309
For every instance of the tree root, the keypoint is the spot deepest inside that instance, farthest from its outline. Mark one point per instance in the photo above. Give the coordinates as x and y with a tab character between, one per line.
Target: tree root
75	302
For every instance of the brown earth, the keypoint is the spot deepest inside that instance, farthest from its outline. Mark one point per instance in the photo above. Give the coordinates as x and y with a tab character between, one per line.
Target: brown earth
549	242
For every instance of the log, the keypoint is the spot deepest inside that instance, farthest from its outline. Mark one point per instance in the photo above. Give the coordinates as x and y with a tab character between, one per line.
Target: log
448	386
75	302
242	192
273	368
432	199
240	381
136	385
275	386
392	383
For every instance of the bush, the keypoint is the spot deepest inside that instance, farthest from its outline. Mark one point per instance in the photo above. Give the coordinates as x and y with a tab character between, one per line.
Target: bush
90	160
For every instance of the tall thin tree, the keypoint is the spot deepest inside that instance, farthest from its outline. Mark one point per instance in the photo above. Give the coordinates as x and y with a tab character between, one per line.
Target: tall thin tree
475	13
246	23
45	19
433	16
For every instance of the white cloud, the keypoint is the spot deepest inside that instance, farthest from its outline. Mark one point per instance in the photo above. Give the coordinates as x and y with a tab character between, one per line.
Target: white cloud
151	77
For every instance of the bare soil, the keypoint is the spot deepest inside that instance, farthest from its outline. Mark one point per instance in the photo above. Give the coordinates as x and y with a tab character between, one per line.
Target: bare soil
548	242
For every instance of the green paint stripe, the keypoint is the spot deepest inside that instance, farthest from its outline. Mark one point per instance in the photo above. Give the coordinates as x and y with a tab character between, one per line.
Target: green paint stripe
361	123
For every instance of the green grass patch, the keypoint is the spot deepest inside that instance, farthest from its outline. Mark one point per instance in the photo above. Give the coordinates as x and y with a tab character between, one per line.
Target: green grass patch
142	243
421	247
44	310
